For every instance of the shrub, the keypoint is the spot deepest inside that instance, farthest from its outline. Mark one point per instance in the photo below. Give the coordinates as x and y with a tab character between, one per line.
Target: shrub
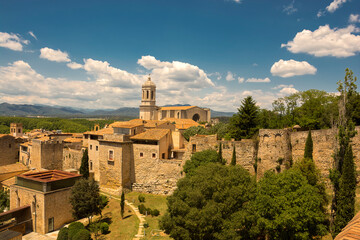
74	228
82	234
148	211
63	234
104	228
141	198
146	225
142	208
155	212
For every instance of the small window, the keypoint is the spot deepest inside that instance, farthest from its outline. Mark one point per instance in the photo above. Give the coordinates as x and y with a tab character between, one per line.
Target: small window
111	155
163	155
154	155
141	154
194	147
51	224
19	130
90	147
97	148
10	145
91	165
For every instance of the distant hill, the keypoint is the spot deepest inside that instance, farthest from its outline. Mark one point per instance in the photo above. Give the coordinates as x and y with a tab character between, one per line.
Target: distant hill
23	110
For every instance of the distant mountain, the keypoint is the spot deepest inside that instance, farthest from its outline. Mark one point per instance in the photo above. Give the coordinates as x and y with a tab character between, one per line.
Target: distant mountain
22	110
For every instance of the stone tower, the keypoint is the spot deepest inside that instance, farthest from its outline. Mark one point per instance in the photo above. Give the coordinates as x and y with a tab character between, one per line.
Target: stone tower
16	129
148	109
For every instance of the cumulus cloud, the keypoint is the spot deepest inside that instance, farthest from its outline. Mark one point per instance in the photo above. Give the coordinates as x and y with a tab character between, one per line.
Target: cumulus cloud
258	80
335	5
230	76
354	18
288	90
217	75
32	34
74	65
326	42
290	9
290	68
175	75
241	79
12	41
54	55
283	86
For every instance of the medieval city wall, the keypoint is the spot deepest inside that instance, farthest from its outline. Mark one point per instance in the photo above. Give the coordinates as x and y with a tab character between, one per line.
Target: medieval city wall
9	150
71	158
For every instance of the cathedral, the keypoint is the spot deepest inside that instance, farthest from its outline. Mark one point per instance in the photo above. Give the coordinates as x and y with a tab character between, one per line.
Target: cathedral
149	110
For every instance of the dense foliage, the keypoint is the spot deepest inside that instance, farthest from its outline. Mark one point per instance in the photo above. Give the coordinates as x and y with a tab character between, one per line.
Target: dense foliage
84	167
200	158
4	200
66	125
85	199
308	153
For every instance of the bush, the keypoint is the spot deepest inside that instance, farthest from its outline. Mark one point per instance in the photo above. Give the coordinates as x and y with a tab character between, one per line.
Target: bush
146	225
74	228
142	208
104	228
63	234
141	198
155	212
82	234
148	211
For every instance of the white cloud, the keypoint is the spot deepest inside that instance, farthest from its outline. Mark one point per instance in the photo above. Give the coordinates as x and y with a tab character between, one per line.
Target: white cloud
230	76
290	9
74	65
12	41
283	86
258	80
290	68
241	79
354	18
255	65
54	55
32	34
320	13
175	75
288	90
326	42
216	74
335	5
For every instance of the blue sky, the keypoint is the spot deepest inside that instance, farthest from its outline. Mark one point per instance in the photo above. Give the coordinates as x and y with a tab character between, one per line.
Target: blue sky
210	53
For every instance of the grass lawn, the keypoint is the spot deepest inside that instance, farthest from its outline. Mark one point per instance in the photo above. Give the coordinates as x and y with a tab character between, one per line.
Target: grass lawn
119	228
151	201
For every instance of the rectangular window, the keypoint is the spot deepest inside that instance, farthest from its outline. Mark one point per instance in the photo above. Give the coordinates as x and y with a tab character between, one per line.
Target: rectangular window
90	147
194	148
97	148
91	166
111	155
9	145
163	156
141	154
51	224
154	155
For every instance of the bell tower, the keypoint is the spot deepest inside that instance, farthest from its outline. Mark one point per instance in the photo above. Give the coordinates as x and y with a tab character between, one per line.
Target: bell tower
148	102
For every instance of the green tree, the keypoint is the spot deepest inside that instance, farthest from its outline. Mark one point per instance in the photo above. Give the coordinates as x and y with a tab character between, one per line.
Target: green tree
309	147
122	204
4	200
220	158
213	203
85	199
84	168
244	123
192	131
288	207
233	158
200	158
346	197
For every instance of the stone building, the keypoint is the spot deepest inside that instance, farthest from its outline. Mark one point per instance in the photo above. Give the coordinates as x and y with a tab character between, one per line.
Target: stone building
16	129
9	149
149	110
47	193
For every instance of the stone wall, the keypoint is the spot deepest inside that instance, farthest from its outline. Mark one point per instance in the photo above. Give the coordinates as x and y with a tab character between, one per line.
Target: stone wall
9	149
71	158
48	155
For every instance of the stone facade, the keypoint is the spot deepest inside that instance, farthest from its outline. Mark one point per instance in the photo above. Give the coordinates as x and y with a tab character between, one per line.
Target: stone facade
71	158
46	154
9	149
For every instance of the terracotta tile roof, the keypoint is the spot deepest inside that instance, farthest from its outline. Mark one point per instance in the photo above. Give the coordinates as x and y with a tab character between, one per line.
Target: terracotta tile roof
177	108
151	134
3	135
351	231
103	131
72	140
45	138
149	123
9	182
49	175
15	167
26	144
182	123
127	124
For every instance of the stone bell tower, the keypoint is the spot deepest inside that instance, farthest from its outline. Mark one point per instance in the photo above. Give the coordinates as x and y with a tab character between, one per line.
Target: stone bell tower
148	109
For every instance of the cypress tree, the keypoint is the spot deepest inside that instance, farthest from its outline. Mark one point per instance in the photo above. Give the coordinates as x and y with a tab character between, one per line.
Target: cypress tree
220	158
84	168
233	159
309	147
346	195
122	204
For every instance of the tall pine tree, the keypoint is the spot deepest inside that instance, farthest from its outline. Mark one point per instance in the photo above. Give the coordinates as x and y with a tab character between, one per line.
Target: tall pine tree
122	204
309	147
84	168
346	197
233	158
220	158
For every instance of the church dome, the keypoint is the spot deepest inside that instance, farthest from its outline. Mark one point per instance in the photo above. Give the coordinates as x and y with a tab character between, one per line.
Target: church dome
149	83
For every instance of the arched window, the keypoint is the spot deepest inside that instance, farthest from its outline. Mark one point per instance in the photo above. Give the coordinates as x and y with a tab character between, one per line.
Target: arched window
196	117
